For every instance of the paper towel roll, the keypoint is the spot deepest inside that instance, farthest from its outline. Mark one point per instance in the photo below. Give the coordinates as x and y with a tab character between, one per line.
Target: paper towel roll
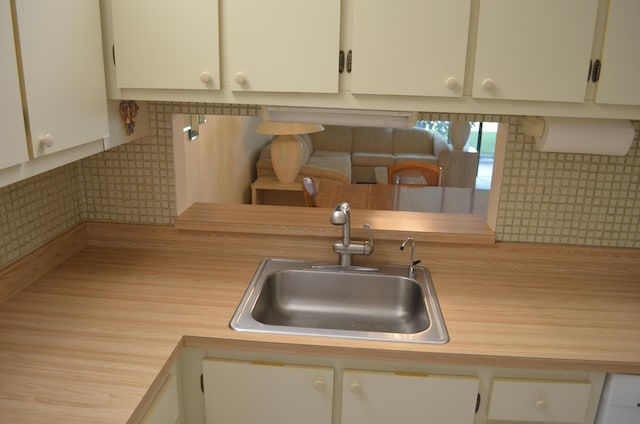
579	135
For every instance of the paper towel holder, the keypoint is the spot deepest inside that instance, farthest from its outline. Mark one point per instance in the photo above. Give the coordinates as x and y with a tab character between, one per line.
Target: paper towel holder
611	137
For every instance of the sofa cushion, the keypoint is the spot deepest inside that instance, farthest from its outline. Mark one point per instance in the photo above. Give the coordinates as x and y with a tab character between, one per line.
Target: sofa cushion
372	140
334	138
372	159
412	140
415	157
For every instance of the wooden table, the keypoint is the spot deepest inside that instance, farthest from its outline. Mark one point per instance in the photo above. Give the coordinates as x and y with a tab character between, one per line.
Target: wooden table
405	198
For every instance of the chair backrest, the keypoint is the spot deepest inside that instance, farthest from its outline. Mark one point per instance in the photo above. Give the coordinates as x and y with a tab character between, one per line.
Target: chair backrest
310	191
415	173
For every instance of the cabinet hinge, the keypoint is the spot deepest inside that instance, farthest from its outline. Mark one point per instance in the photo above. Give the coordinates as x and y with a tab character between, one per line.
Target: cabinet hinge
202	382
341	62
595	72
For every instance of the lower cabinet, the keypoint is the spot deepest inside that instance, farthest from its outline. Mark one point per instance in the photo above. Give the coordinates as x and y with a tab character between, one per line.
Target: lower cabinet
251	392
165	408
385	397
539	400
219	386
254	392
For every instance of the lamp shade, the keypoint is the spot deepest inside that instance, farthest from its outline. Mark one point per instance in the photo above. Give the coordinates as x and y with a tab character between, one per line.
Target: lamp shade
287	128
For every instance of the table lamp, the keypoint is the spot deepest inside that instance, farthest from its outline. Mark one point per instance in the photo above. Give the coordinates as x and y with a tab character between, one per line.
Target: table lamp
286	150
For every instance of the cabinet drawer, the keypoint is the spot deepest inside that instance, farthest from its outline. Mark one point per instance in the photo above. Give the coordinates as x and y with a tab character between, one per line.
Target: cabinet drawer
539	400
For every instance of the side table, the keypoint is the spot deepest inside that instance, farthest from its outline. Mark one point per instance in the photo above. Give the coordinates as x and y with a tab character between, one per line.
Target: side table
270	191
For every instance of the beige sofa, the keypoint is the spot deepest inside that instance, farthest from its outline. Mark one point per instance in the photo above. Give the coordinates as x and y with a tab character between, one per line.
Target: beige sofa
344	155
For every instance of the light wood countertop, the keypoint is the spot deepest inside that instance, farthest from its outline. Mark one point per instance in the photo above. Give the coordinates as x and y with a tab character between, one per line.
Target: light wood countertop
86	341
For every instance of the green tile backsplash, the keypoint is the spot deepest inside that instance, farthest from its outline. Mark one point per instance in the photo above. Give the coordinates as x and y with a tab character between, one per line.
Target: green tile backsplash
545	197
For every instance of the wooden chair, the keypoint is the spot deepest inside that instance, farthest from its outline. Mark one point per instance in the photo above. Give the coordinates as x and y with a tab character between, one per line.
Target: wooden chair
310	191
415	173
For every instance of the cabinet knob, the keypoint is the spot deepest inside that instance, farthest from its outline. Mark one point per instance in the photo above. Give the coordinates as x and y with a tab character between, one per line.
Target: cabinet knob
488	84
355	388
319	384
451	83
240	78
47	140
205	77
542	405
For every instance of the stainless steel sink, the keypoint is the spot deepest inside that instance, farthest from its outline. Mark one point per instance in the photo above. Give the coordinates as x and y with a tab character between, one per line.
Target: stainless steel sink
307	298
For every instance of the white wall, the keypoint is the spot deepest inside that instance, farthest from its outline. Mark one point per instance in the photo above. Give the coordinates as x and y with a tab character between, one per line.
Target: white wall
219	166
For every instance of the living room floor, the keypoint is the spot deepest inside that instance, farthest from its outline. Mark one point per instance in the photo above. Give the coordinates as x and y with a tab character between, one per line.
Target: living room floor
485	170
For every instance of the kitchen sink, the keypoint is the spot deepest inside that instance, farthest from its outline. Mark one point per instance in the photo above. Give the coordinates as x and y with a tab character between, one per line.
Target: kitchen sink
298	297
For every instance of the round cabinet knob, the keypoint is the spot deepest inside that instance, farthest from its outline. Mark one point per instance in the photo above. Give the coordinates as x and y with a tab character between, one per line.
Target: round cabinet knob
319	384
240	78
205	77
451	83
488	84
355	388
542	405
47	140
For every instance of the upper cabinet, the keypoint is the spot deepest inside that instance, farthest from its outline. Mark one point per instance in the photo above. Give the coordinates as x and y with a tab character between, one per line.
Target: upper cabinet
534	49
619	82
13	141
411	48
62	71
169	46
281	45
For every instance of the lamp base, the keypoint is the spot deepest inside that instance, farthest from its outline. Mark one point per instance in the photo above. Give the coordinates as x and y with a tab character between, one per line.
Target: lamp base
286	157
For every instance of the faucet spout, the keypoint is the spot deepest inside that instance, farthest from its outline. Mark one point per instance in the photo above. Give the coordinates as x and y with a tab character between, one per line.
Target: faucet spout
410	272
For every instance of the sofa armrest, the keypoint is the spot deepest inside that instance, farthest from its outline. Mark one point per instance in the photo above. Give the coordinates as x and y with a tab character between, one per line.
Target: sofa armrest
439	144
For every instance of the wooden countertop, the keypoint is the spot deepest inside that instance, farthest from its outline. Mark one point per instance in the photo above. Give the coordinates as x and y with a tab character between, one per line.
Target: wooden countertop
86	341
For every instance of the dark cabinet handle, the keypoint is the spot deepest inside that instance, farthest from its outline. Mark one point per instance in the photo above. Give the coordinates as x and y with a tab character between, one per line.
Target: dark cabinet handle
595	72
349	60
341	61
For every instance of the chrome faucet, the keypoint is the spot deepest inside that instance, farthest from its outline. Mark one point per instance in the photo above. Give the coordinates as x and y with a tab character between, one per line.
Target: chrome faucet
345	248
411	272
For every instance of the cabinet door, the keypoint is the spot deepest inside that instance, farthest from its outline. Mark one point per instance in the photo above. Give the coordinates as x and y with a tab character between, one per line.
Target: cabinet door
539	400
13	142
534	49
246	392
63	72
165	408
414	47
381	397
171	46
281	45
619	82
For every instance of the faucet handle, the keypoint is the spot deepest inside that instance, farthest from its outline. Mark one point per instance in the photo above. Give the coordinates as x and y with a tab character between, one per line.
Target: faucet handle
368	228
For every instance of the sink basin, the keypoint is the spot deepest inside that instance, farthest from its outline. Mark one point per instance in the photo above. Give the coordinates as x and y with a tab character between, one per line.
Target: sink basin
307	298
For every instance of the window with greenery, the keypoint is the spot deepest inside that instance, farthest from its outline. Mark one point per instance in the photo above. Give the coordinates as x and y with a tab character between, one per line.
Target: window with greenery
483	135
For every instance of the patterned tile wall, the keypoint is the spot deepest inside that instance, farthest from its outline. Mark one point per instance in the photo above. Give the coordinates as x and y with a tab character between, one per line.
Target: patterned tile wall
565	198
545	197
37	210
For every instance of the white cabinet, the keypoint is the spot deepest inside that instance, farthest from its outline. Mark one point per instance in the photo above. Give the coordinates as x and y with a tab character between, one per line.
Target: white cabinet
169	46
414	47
63	74
534	49
619	82
384	397
539	400
165	408
13	140
281	45
249	392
